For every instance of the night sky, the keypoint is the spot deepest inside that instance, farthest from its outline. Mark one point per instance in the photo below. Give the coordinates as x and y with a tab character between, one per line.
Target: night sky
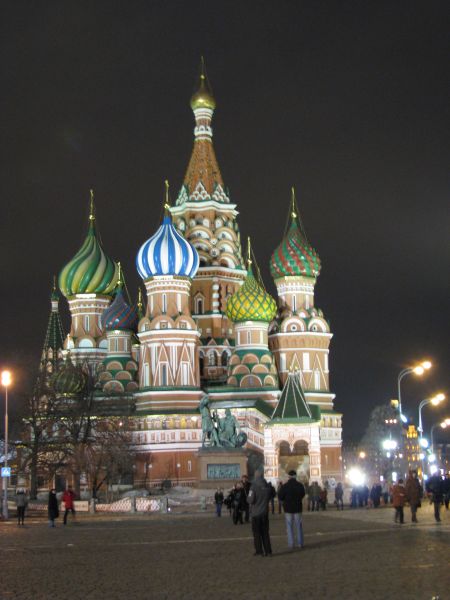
347	101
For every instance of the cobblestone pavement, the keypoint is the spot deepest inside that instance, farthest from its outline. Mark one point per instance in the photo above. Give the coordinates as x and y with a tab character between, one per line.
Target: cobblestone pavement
350	554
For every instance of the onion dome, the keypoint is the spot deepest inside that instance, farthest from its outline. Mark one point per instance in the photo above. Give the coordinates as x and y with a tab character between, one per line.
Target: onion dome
119	315
203	97
90	271
251	302
295	257
167	252
69	380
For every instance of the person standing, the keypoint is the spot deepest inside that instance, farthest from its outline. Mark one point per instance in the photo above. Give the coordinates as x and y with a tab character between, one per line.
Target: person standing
413	491
258	499
399	496
292	494
21	503
246	487
218	499
239	503
68	499
339	496
280	483
53	510
435	487
446	489
314	493
272	497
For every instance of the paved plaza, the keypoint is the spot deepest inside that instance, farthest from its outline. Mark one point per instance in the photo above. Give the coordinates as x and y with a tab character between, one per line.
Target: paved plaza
351	554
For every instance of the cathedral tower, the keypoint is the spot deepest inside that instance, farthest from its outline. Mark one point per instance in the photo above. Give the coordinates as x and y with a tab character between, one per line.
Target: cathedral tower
300	336
88	281
118	371
206	217
251	309
169	375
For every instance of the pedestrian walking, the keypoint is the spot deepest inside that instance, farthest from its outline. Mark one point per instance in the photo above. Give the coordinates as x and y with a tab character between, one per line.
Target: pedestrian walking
399	497
258	499
246	487
413	491
53	510
435	487
292	494
218	499
21	504
339	496
68	499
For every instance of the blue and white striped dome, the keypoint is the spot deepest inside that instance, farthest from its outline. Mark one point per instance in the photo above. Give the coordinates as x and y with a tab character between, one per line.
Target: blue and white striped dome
167	253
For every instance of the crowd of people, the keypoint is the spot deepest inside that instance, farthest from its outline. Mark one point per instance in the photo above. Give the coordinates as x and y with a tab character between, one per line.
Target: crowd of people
68	500
255	501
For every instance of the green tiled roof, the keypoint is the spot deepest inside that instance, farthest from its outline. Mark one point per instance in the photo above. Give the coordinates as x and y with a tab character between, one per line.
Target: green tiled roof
292	405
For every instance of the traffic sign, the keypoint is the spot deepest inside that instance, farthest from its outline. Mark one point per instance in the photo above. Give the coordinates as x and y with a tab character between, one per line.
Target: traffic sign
6	471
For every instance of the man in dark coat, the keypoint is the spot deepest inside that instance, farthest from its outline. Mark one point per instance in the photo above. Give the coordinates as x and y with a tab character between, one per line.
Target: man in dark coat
413	491
292	494
435	487
246	486
258	500
53	510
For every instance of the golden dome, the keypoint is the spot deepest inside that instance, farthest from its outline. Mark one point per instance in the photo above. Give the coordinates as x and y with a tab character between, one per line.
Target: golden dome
203	97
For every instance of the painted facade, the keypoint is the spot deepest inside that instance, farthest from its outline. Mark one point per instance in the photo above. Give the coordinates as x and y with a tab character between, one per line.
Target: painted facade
207	326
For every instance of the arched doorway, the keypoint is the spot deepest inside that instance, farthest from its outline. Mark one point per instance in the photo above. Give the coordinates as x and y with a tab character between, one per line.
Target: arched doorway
295	459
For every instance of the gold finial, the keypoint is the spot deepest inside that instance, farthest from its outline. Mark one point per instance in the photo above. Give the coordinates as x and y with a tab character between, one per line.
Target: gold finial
119	280
166	199
293	209
92	207
54	283
249	252
203	97
139	302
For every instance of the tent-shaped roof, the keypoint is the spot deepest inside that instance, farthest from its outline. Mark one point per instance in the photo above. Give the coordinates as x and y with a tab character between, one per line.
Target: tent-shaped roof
292	405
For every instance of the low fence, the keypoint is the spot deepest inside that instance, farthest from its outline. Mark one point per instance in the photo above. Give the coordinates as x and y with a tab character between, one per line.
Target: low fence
125	505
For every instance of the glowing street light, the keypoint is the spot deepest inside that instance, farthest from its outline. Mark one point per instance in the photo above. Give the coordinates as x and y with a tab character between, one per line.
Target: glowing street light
419	370
434	401
389	444
356	476
6	380
443	424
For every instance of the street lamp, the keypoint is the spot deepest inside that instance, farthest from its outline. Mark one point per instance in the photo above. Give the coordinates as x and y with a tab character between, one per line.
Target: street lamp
443	425
6	382
435	400
417	370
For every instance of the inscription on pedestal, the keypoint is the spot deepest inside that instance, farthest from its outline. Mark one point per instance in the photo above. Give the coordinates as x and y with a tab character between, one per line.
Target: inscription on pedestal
223	471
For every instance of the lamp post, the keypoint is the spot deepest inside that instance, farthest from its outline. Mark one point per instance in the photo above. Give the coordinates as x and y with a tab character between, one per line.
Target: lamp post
443	425
434	401
6	382
417	370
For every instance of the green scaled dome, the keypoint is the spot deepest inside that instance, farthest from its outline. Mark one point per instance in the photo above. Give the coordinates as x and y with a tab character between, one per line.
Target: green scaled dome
69	380
251	302
294	257
90	271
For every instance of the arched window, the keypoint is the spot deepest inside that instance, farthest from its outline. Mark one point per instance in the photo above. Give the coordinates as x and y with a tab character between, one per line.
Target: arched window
225	358
199	305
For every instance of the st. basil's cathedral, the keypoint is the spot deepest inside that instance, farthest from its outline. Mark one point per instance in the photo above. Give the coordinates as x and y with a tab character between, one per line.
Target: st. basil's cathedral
207	328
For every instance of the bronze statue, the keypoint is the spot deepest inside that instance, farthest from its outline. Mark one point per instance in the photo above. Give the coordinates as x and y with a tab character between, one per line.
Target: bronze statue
223	433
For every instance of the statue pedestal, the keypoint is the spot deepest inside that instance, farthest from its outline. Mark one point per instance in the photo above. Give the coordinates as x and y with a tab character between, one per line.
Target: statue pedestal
221	467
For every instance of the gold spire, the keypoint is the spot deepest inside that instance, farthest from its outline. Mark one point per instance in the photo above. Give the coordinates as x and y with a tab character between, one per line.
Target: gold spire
119	281
294	204
249	253
139	302
166	199
92	207
54	283
203	97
